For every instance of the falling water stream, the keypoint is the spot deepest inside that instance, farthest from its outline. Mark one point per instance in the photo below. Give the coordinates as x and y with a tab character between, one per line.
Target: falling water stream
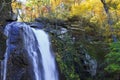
4	66
47	58
36	43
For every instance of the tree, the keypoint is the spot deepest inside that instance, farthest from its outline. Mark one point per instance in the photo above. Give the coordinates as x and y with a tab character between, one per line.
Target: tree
109	4
113	60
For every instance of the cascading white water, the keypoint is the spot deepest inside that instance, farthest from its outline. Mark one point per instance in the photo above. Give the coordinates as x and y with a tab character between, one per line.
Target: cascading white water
37	46
4	67
29	45
47	58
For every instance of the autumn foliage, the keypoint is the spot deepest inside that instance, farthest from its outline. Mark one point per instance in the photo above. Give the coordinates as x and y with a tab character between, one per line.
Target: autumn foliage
98	20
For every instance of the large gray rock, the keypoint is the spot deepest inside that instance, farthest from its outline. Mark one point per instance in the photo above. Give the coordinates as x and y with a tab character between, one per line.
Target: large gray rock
17	64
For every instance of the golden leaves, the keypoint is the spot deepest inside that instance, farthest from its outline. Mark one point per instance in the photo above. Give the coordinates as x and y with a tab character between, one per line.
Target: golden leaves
16	5
86	8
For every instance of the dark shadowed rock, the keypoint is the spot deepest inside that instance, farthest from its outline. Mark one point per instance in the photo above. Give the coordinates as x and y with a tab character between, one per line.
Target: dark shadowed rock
37	25
2	45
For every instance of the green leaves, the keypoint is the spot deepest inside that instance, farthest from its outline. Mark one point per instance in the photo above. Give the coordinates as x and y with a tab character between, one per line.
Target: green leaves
113	68
67	56
113	58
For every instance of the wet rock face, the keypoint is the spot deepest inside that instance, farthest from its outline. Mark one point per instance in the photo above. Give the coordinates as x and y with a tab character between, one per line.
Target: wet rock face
17	65
2	45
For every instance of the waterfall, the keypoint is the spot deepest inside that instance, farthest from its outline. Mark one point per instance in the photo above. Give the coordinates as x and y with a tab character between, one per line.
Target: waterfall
4	66
36	44
47	58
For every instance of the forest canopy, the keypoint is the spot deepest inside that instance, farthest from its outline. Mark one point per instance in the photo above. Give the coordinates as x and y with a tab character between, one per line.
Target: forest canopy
94	9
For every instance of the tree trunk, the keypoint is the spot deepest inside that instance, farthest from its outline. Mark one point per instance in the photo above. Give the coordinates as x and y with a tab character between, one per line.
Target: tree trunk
110	22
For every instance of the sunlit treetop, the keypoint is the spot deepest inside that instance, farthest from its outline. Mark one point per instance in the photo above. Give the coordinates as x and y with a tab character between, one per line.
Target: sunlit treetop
88	8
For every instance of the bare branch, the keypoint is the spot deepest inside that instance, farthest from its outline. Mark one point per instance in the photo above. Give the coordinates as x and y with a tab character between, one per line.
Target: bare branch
105	6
